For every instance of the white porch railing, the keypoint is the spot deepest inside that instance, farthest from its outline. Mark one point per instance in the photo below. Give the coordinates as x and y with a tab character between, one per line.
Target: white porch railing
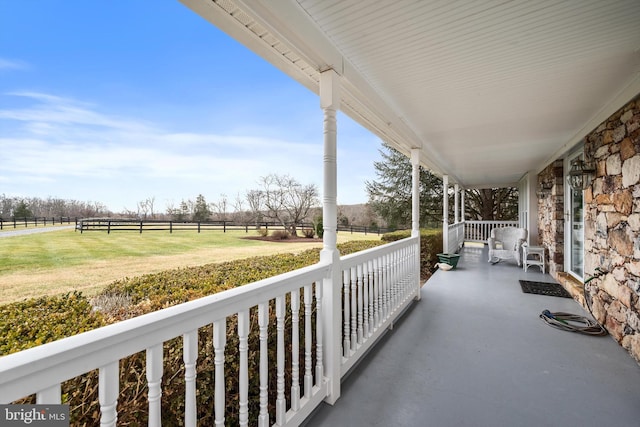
455	236
378	284
479	231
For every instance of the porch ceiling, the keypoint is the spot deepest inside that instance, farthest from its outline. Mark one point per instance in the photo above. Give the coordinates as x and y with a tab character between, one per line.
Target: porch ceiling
488	90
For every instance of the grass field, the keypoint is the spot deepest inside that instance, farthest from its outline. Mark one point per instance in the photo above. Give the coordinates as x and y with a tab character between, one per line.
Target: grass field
64	260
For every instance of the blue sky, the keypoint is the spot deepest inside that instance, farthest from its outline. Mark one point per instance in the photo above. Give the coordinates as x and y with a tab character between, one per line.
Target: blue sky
119	101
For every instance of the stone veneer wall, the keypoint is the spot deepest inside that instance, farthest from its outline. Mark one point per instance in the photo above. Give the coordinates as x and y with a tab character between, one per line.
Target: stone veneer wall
550	216
612	225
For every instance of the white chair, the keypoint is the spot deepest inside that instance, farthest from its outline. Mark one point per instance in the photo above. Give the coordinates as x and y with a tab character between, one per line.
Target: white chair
506	243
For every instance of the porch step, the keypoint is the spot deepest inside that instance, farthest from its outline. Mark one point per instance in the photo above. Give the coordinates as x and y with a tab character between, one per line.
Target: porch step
573	286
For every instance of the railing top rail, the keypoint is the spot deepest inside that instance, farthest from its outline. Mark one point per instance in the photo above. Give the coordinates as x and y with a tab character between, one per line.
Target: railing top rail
40	367
354	259
469	221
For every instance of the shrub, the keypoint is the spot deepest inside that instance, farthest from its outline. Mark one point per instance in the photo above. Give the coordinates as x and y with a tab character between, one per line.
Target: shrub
430	246
36	321
280	235
262	232
309	233
319	227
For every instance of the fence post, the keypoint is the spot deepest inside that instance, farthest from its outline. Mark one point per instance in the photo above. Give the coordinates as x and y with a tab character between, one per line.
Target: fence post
170	227
141	227
198	226
108	227
224	226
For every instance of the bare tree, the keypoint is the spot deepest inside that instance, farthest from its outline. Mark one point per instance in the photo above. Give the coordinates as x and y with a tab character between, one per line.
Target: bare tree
143	209
254	199
285	200
240	214
221	207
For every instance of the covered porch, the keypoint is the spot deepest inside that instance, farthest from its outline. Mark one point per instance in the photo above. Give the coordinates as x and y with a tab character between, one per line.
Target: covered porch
463	91
474	352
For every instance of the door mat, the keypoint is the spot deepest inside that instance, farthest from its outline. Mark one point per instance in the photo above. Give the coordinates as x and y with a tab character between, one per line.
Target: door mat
544	288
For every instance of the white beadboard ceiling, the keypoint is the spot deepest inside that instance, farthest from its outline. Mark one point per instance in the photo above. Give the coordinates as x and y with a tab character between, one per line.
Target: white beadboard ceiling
487	89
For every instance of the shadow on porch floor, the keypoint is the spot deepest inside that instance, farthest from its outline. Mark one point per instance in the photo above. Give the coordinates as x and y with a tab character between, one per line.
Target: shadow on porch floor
473	352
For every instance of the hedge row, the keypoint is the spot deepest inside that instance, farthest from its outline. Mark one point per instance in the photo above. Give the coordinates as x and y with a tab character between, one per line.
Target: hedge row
430	246
37	321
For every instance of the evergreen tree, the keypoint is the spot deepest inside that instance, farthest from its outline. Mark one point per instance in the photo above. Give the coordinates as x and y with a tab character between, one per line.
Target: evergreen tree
201	211
22	210
390	195
491	204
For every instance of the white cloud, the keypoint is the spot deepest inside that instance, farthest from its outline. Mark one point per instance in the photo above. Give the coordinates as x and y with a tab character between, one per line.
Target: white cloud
9	64
60	143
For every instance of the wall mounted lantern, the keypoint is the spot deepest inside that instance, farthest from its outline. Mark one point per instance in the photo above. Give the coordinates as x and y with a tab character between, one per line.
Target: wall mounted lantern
580	175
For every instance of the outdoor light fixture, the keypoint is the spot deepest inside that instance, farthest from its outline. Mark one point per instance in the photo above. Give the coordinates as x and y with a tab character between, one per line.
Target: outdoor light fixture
580	175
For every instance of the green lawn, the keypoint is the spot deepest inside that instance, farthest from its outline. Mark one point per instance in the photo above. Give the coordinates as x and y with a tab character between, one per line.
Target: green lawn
65	260
66	248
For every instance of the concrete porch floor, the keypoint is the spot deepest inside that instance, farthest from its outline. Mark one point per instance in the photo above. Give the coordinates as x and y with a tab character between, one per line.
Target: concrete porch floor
473	352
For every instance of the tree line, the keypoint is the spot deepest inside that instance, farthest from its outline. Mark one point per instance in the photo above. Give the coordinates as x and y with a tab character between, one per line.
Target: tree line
30	207
278	198
284	200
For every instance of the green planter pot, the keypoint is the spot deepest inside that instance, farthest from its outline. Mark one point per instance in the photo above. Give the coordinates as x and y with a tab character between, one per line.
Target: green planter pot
451	259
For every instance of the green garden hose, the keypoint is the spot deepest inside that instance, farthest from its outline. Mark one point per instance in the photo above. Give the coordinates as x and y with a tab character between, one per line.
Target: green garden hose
572	323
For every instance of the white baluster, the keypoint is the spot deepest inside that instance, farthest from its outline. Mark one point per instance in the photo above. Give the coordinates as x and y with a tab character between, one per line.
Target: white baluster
308	375
190	356
402	280
154	380
354	309
263	324
385	286
51	395
295	350
369	297
108	388
376	292
346	301
359	287
219	343
393	280
243	386
319	332
281	404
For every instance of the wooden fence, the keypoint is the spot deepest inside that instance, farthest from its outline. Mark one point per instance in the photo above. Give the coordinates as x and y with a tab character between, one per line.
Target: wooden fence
115	224
36	222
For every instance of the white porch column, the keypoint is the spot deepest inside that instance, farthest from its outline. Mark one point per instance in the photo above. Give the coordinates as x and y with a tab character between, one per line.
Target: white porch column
456	204
331	286
415	192
445	214
462	193
531	207
415	208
